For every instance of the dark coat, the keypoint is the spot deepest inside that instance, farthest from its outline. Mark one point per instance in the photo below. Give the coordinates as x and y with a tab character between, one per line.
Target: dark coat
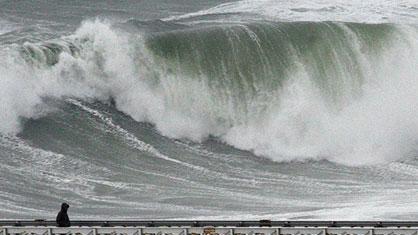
62	217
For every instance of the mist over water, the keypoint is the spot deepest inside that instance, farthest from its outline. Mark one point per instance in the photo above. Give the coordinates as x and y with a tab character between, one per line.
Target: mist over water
237	110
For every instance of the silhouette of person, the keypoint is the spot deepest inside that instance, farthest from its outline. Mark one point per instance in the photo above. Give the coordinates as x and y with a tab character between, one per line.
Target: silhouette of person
62	217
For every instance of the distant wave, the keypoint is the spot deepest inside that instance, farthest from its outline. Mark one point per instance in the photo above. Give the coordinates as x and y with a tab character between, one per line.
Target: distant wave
404	11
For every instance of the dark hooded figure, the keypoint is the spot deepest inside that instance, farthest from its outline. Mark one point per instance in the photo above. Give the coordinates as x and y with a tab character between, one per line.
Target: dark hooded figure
62	217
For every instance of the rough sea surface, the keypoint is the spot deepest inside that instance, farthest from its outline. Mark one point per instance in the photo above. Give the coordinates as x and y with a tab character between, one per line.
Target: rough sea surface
209	109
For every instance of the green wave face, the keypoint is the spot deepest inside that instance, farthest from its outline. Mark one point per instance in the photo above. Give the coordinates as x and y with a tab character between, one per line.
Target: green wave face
253	60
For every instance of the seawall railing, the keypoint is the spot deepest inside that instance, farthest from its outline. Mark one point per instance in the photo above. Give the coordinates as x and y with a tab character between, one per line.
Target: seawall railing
263	227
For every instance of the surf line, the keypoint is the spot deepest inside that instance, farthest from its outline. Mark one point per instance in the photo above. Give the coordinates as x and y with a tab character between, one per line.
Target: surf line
132	141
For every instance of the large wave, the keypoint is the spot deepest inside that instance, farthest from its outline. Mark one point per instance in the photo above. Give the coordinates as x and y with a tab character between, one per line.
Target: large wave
345	92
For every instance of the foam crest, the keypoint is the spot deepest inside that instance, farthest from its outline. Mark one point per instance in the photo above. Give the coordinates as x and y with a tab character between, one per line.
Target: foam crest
54	70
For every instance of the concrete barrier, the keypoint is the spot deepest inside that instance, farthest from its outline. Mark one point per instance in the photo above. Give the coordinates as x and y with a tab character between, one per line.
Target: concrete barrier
41	227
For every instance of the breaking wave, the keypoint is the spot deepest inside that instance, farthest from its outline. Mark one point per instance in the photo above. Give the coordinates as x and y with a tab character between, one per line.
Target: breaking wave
345	92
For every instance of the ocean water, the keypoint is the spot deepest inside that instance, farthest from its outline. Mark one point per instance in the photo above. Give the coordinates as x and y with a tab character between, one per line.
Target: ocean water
252	109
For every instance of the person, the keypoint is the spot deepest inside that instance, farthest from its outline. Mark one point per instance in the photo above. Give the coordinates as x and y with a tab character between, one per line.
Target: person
62	217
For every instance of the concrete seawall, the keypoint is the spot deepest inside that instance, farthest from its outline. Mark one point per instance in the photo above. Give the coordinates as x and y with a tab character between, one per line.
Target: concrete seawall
263	227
